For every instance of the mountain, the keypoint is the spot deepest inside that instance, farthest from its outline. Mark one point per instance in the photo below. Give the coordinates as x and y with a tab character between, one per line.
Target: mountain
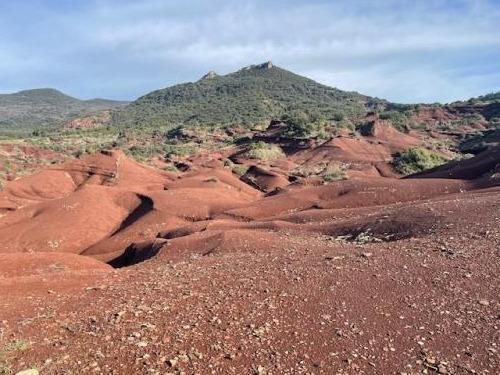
255	94
488	98
45	107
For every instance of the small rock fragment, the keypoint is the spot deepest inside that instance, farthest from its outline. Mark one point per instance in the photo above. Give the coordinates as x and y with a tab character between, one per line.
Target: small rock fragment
32	371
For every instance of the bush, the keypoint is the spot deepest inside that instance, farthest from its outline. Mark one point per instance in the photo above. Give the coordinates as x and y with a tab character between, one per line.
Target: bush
328	172
241	139
400	120
171	168
338	116
302	125
416	160
334	173
180	150
264	151
467	120
239	169
228	163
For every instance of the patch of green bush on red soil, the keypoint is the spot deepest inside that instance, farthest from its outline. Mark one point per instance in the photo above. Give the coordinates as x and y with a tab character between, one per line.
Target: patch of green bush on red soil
264	151
416	160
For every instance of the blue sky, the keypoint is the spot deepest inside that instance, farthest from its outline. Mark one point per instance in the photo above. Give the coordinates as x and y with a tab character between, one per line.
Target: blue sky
404	51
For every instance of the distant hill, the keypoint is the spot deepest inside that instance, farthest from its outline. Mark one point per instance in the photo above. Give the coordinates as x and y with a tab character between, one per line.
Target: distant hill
255	94
46	107
492	97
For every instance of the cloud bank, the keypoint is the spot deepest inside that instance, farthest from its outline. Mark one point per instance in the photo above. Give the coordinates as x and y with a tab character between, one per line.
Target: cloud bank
404	51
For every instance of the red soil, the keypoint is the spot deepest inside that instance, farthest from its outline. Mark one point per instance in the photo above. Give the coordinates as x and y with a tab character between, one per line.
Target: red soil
368	275
368	155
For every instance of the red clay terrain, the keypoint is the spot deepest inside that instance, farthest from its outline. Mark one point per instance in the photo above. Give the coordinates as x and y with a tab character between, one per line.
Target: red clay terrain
111	267
18	159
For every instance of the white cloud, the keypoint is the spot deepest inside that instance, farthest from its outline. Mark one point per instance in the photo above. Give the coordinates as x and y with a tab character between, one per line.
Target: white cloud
401	50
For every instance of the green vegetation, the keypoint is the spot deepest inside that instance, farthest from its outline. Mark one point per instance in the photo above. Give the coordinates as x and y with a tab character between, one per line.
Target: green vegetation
478	142
171	168
301	124
466	120
334	173
142	143
416	160
305	125
328	172
212	114
39	109
488	98
76	142
264	151
401	120
239	169
248	97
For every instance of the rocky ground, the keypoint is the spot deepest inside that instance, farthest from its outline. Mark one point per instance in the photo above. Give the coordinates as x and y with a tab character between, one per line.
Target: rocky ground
365	276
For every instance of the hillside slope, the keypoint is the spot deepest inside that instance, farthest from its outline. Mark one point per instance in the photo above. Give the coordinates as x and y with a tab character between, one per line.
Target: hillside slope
45	107
252	95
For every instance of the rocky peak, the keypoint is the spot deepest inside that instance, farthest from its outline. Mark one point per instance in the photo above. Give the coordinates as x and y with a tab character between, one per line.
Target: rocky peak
210	75
263	66
266	65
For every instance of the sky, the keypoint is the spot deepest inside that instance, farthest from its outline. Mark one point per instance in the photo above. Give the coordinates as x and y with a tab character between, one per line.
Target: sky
404	51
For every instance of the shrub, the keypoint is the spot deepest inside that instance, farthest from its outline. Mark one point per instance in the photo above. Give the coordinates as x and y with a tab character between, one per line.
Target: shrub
400	120
334	173
78	153
467	120
171	168
228	163
338	116
135	152
326	171
416	160
264	151
239	169
38	133
302	125
241	139
184	149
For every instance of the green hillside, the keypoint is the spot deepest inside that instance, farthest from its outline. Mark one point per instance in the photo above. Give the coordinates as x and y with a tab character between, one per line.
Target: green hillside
38	108
250	96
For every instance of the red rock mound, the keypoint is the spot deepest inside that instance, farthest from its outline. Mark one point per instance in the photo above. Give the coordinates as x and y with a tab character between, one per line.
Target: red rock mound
111	208
264	180
101	204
